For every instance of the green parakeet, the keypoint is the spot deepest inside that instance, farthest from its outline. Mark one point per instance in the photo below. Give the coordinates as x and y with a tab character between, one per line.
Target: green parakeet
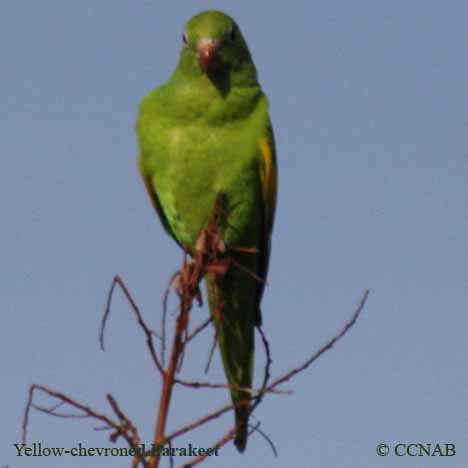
204	132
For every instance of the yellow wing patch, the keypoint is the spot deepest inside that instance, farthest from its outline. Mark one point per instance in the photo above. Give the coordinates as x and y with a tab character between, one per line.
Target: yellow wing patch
268	175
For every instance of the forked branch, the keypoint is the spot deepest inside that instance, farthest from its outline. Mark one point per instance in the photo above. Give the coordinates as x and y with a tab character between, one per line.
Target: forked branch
209	258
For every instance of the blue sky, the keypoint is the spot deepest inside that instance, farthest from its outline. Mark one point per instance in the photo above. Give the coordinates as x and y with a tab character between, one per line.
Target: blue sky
369	105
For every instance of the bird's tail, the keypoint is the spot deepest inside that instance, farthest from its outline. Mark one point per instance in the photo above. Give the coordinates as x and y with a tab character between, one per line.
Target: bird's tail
233	314
242	416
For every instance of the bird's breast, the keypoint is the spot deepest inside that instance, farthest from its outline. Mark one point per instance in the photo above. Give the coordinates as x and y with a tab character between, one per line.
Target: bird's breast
200	163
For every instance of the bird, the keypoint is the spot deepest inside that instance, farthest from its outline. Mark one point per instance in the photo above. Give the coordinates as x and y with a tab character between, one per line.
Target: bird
207	131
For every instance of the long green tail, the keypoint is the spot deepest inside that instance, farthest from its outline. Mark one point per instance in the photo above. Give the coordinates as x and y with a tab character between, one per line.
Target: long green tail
233	306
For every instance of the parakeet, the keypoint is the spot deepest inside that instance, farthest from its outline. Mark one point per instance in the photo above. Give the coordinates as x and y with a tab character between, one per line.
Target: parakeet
204	132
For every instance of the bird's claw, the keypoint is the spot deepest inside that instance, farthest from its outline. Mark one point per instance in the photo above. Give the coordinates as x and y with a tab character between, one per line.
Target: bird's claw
218	269
177	284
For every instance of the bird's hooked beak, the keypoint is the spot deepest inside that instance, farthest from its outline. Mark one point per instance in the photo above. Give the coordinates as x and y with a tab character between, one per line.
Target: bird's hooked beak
208	55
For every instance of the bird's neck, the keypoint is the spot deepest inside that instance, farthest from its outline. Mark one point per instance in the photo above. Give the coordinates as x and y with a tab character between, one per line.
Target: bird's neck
217	99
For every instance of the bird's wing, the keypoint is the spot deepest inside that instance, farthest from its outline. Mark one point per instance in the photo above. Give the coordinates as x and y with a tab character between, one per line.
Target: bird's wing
154	199
269	182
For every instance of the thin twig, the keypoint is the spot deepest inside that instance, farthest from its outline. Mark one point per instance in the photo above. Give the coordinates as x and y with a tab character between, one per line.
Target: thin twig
125	430
164	316
266	374
247	271
52	412
171	458
211	353
327	346
199	384
63	398
197	330
148	333
223	441
256	428
200	422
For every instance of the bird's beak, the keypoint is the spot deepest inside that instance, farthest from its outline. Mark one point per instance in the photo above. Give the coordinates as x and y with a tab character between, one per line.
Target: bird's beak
208	55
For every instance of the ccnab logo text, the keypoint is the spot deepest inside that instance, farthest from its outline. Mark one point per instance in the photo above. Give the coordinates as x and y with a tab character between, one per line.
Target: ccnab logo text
425	450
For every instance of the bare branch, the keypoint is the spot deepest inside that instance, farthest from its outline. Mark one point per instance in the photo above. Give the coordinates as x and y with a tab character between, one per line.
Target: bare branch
210	258
200	422
126	429
52	412
197	330
266	374
223	441
327	346
256	428
164	314
211	353
199	384
66	400
148	333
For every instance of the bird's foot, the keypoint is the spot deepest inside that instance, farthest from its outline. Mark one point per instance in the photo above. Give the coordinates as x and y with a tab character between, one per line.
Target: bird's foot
217	269
177	283
210	243
186	281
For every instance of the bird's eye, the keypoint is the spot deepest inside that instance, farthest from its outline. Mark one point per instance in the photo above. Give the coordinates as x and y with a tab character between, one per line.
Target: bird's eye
232	35
184	38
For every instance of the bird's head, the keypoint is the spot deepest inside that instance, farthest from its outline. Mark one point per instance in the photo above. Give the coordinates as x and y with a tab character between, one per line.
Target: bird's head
213	45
